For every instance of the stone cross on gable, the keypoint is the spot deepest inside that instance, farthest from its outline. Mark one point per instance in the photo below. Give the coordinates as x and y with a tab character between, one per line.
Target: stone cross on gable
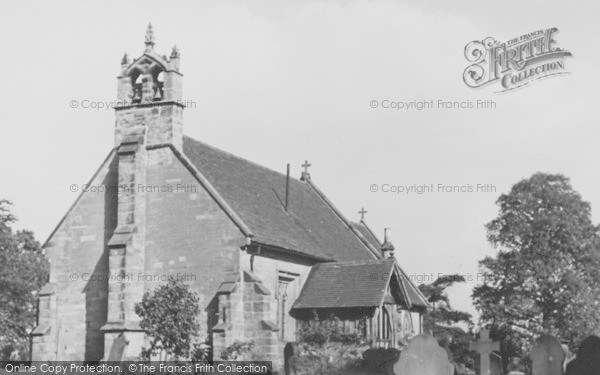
305	174
306	165
362	213
484	347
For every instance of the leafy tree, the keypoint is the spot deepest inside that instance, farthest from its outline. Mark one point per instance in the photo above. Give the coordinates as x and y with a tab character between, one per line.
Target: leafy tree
442	320
169	318
546	276
23	271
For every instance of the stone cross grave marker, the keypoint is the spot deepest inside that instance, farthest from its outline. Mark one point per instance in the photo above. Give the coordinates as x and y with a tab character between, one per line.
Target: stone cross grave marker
496	367
587	361
496	364
423	356
484	347
547	356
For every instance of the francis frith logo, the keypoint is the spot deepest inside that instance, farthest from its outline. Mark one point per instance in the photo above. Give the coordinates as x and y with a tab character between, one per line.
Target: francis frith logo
515	63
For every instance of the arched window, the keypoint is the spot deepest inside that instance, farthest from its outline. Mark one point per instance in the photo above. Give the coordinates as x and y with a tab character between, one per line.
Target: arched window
158	84
405	325
384	325
136	85
147	74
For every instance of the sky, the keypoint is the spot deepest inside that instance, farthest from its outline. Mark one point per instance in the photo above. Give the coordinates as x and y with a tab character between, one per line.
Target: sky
281	82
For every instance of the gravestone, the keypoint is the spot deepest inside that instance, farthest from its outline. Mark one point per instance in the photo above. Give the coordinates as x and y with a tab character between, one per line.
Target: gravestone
484	347
118	348
291	352
515	367
423	356
496	367
547	356
569	356
587	360
496	364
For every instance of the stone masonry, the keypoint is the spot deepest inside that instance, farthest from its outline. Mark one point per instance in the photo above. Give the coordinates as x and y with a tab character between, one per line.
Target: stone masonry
151	213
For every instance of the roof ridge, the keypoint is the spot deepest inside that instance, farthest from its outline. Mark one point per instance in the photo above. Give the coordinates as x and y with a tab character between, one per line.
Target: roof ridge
241	158
344	220
356	262
368	228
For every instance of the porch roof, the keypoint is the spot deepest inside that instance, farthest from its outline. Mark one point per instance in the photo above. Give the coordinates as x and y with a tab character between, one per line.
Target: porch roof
356	284
345	284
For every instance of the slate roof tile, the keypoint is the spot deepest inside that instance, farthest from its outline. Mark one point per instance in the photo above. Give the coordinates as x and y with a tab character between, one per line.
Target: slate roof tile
368	234
255	193
345	284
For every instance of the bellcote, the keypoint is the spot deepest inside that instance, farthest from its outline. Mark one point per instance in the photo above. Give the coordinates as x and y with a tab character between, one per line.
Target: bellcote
150	77
150	106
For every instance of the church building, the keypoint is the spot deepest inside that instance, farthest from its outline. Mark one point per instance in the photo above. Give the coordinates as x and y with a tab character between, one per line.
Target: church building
266	253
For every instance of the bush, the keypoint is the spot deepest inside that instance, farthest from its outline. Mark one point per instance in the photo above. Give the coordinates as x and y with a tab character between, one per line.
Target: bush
326	349
380	360
319	332
169	318
331	358
242	351
201	349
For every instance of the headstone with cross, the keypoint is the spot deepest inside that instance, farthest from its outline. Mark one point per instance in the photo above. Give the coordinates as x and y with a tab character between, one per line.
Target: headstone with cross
362	213
484	347
305	174
496	364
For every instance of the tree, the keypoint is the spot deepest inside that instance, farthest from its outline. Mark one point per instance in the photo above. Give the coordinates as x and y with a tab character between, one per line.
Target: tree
546	275
169	318
23	272
442	320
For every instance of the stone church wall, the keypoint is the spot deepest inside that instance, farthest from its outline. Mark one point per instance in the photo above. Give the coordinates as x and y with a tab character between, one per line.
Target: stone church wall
261	309
188	236
269	269
75	308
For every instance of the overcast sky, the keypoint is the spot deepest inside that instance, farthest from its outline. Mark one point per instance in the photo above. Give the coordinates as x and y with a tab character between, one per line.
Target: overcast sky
278	82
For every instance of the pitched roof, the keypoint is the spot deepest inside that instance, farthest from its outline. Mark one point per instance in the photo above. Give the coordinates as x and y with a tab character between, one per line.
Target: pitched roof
368	234
310	226
358	284
413	294
345	284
